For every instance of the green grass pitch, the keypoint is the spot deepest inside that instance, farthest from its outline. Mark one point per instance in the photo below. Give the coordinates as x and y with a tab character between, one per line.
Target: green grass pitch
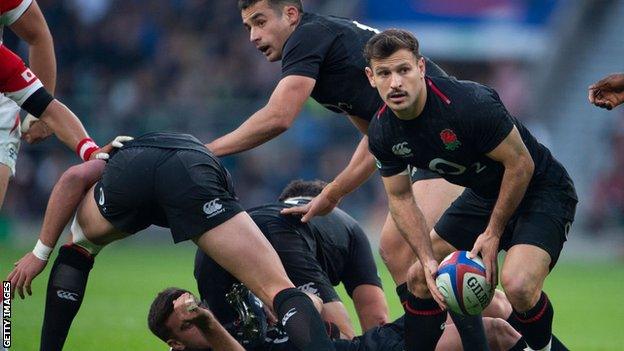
586	296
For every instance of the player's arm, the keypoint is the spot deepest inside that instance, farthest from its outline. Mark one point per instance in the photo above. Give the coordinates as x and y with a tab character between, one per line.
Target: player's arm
187	310
67	194
519	167
412	225
270	121
33	29
359	169
608	92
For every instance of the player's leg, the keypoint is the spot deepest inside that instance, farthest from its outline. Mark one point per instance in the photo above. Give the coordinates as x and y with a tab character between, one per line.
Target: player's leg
9	143
239	247
534	248
70	272
5	175
523	274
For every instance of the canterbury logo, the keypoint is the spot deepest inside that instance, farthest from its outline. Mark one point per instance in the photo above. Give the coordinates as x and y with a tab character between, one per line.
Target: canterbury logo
309	288
212	208
67	295
101	199
401	149
287	316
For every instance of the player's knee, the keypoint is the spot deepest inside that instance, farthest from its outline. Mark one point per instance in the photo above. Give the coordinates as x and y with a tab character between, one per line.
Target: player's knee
418	284
79	239
521	290
499	307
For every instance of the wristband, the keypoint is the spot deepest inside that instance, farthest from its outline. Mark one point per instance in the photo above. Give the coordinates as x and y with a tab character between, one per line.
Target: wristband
41	251
85	148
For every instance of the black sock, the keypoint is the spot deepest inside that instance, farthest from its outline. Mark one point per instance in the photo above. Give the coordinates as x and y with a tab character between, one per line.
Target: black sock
301	321
66	287
424	321
535	325
471	332
521	345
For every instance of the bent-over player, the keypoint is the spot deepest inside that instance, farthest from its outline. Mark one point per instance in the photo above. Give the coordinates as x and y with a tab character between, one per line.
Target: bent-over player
170	180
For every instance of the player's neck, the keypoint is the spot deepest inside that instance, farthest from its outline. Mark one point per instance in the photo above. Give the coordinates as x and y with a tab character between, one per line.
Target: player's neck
416	109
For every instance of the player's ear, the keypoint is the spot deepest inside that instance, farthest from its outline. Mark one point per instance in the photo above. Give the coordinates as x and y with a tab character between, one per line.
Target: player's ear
292	14
176	345
370	75
422	67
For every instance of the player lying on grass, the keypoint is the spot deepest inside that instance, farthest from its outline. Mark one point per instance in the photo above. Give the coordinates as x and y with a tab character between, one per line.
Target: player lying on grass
176	318
173	181
518	197
317	256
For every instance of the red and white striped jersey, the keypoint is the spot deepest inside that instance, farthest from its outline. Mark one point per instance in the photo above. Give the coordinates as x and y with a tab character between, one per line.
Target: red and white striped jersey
17	82
11	11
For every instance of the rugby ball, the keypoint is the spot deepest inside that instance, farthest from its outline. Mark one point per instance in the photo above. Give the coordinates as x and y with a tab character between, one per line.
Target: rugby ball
461	280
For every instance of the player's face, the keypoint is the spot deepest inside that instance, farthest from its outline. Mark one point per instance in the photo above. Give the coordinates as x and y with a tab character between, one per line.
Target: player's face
268	28
400	81
185	335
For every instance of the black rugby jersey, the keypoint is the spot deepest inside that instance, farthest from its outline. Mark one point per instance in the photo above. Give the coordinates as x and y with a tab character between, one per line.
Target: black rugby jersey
339	244
461	122
330	50
342	248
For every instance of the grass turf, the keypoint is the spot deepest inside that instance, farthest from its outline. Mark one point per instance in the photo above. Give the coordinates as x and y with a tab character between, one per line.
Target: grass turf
126	278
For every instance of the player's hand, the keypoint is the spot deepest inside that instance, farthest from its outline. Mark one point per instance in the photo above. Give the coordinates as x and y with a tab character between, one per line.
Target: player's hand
35	130
414	281
608	92
104	152
320	205
431	272
187	309
22	275
487	244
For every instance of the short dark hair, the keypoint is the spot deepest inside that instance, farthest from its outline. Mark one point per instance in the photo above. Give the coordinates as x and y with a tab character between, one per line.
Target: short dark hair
300	187
386	43
275	4
161	309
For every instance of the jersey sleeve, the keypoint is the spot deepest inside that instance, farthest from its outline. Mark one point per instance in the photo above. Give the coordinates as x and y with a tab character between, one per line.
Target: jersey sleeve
360	268
489	124
305	50
17	82
12	10
387	163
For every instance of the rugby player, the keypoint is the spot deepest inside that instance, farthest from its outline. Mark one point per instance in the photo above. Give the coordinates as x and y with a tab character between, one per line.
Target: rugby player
517	198
19	84
173	181
608	92
321	57
317	256
176	318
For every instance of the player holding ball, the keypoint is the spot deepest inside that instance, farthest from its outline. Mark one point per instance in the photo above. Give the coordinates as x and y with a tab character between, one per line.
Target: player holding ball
518	197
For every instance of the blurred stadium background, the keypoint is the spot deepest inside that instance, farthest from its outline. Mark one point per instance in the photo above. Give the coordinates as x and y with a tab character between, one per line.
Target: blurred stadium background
132	66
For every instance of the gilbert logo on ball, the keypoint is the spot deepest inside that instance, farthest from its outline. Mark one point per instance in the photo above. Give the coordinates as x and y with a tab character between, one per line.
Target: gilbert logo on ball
461	280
